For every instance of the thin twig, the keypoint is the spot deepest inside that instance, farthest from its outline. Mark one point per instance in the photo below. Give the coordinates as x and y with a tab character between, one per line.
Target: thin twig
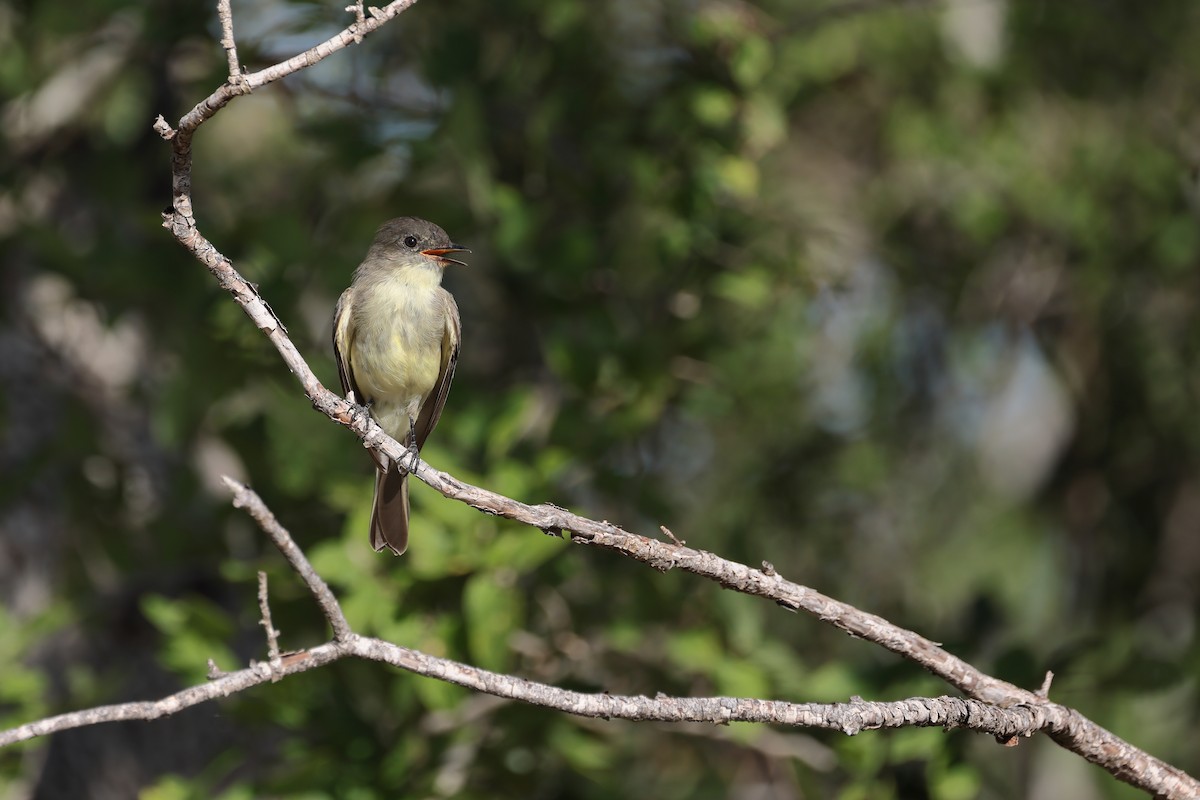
225	15
667	532
264	608
244	497
359	19
222	686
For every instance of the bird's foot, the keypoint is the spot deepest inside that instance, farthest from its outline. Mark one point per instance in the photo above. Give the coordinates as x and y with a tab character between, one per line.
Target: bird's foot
360	415
414	455
412	462
359	410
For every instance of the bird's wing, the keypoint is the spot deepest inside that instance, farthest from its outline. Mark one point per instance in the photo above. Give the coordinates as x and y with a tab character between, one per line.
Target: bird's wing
343	340
343	354
431	410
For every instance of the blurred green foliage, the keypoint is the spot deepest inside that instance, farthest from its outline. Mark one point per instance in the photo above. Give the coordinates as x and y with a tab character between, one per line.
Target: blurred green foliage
901	298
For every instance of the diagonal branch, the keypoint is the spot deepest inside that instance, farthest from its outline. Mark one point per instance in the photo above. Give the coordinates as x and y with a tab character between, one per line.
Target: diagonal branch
244	497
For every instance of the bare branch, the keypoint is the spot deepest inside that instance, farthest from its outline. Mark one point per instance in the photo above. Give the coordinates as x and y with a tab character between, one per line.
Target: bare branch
228	683
849	718
225	15
246	498
264	608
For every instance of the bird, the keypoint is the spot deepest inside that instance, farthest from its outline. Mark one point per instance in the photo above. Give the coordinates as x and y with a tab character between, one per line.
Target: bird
396	336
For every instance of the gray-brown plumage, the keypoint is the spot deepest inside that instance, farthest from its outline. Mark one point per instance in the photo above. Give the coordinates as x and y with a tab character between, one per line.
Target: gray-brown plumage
395	337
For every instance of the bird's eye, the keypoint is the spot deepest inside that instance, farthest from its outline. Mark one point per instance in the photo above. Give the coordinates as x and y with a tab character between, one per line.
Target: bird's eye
410	241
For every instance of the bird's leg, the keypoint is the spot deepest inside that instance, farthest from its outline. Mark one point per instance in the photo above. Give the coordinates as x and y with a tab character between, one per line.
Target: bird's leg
415	460
359	409
382	462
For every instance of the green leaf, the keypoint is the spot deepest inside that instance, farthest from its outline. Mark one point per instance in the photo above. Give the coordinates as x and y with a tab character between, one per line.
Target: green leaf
583	751
751	61
493	607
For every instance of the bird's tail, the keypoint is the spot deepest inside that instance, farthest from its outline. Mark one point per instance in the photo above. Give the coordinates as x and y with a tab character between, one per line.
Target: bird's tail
389	515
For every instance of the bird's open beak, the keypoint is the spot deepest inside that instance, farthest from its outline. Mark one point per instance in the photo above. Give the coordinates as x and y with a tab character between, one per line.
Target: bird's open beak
440	254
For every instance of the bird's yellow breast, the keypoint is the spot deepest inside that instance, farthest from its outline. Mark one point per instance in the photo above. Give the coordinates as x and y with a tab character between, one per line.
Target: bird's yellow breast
399	323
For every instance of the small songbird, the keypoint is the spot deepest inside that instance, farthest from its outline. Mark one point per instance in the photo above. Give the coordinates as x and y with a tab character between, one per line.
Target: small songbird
395	337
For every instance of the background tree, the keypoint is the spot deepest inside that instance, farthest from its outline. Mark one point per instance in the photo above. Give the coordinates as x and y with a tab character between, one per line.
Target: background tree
898	299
